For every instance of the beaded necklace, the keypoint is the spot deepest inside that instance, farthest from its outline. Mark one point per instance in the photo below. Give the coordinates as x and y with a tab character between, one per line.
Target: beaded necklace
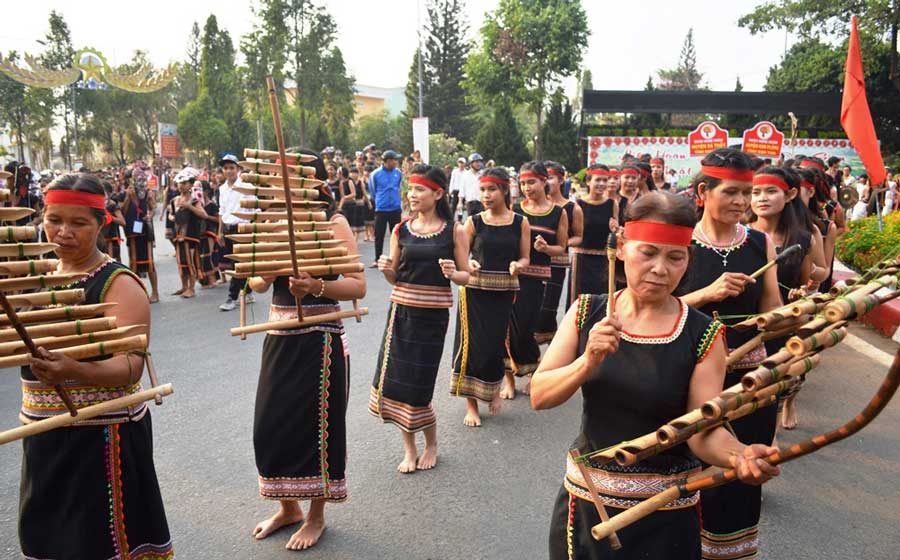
740	235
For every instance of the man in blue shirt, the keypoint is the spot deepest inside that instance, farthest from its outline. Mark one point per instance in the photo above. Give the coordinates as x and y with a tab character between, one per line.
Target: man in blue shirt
384	184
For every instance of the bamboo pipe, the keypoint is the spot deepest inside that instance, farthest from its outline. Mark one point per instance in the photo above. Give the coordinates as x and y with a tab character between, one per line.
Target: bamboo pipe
279	204
256	268
779	258
33	351
318	270
716	477
759	378
611	242
288	156
811	306
296	323
20	268
15	213
265	167
18	233
281	255
39	282
254	248
278	180
738	395
4	195
601	509
279	227
278	193
856	303
85	413
58	297
851	285
154	379
243	311
254	217
56	342
277	237
60	313
735	355
826	338
61	329
21	250
85	351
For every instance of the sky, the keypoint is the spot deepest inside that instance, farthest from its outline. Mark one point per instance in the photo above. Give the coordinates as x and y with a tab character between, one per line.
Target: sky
629	40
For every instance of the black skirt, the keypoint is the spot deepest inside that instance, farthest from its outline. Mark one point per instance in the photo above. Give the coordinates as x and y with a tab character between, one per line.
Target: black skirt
187	255
91	493
407	366
140	254
300	419
590	274
553	289
524	351
207	266
479	347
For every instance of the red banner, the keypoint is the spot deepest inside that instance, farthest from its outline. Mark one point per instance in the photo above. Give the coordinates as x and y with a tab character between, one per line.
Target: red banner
763	140
706	138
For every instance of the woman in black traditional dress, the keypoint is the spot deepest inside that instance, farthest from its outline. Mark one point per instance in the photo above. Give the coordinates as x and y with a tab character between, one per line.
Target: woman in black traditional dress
815	195
501	242
299	427
653	360
112	233
358	211
559	264
549	236
427	253
725	253
590	266
350	197
190	220
209	238
138	211
369	214
89	491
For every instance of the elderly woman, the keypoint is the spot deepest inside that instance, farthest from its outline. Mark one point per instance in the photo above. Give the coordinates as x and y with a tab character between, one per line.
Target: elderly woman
89	491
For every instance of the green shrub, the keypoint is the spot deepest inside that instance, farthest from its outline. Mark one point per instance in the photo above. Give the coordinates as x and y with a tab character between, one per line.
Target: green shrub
862	245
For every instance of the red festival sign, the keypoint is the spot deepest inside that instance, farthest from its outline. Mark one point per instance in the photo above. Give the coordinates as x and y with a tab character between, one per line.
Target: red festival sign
707	137
763	140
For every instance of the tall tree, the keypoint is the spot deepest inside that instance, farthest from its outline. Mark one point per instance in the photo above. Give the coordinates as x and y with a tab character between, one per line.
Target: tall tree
264	55
445	55
24	110
559	135
527	48
59	54
188	77
500	138
685	76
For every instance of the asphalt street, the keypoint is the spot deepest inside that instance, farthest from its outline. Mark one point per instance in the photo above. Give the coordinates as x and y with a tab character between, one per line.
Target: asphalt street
491	494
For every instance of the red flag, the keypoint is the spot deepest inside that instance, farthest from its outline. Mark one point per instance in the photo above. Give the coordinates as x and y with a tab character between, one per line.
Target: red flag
855	116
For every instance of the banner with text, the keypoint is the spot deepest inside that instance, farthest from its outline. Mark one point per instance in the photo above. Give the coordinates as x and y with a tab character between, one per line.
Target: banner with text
168	140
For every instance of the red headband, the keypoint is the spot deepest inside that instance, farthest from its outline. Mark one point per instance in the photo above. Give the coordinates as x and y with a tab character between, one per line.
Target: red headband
425	182
727	173
614	172
643	172
492	179
599	172
807	185
657	161
764	179
557	173
532	175
630	171
812	163
658	232
78	198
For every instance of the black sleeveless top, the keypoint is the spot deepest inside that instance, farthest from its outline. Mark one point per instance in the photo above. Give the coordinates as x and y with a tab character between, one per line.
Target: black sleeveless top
336	190
596	224
569	208
544	225
420	282
40	401
747	255
789	270
359	190
135	212
494	247
112	232
188	226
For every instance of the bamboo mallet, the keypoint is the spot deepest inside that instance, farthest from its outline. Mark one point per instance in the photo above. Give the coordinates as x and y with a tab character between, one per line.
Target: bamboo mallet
32	349
780	258
614	541
611	243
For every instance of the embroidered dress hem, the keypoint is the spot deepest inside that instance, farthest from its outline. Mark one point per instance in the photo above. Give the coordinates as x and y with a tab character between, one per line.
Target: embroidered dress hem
302	488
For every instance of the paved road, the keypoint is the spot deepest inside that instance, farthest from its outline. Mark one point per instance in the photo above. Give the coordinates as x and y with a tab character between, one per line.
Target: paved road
491	494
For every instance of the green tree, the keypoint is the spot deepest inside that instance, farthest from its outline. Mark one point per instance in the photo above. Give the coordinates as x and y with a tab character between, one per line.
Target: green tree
500	138
445	55
219	82
60	54
527	48
412	87
201	127
24	110
187	81
559	135
685	76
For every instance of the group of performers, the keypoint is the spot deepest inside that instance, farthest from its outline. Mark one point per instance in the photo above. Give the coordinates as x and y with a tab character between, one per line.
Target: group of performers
650	351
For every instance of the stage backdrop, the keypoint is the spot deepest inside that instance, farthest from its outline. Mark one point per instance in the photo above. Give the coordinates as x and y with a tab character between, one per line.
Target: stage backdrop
675	150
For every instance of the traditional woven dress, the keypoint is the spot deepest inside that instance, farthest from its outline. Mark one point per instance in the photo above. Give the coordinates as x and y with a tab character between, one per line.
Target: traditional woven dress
354	208
113	233
590	267
634	391
559	266
413	340
523	348
209	239
89	491
485	305
140	245
731	512
188	230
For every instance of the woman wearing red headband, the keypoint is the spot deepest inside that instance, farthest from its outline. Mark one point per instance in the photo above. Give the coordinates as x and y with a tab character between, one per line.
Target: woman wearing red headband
549	235
559	265
190	219
821	210
138	209
654	359
428	252
725	253
601	212
629	181
658	172
90	490
500	241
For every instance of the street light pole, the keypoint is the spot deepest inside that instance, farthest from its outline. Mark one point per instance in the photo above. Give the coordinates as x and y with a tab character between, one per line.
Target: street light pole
419	32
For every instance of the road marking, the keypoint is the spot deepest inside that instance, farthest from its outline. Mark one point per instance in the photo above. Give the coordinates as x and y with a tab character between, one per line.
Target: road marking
869	350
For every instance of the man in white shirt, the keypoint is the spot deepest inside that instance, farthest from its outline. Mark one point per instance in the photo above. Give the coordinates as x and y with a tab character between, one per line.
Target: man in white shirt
456	183
229	203
470	191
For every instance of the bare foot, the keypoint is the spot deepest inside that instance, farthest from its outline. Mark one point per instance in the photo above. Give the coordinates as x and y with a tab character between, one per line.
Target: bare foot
496	404
407	465
508	389
789	415
280	519
178	292
307	536
428	459
527	389
154	298
472	419
187	295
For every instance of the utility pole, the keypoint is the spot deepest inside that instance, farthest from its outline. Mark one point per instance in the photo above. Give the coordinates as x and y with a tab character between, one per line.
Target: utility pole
419	33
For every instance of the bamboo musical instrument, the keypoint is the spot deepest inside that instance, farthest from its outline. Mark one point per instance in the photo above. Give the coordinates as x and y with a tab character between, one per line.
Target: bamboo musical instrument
54	342
296	324
260	204
15	213
4	195
60	313
299	227
33	350
85	351
39	282
276	215
278	180
18	233
278	194
827	337
611	242
257	166
278	237
78	326
736	395
21	268
759	378
716	476
35	299
855	303
735	355
85	413
323	253
779	258
255	248
263	266
20	250
269	154
154	379
592	488
317	270
810	306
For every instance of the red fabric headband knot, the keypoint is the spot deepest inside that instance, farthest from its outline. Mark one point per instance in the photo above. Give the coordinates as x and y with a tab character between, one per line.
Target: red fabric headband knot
763	179
658	232
79	198
726	173
425	182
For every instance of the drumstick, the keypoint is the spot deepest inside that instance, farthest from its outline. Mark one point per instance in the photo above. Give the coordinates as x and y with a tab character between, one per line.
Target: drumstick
611	288
154	380
13	318
601	510
780	258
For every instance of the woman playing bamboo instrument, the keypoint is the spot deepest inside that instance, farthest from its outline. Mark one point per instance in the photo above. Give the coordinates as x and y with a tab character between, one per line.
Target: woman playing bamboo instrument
725	254
89	490
652	360
299	427
500	241
427	253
